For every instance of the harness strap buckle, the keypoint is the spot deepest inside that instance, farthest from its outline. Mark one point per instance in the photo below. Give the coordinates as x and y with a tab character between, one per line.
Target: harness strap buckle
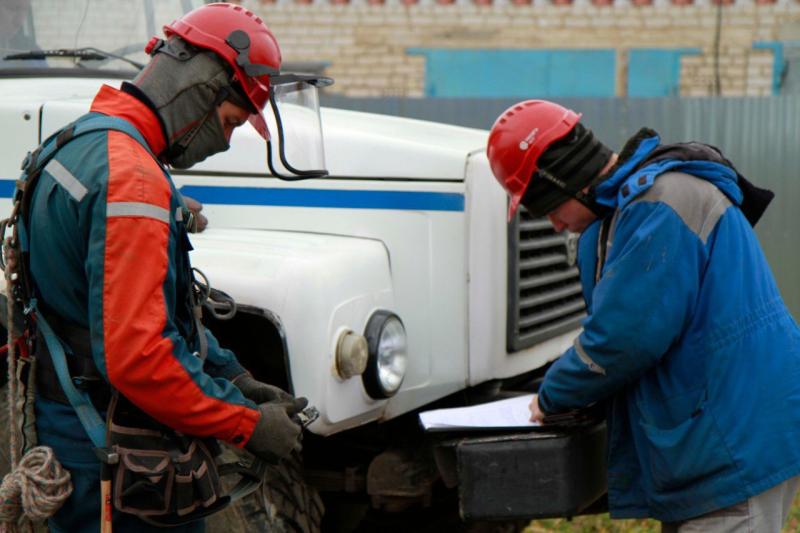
30	307
29	163
85	382
107	455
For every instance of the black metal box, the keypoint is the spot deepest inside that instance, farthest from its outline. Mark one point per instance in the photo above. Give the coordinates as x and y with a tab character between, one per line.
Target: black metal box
546	473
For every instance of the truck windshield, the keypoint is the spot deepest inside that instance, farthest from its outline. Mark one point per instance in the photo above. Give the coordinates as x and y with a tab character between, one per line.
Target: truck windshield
81	35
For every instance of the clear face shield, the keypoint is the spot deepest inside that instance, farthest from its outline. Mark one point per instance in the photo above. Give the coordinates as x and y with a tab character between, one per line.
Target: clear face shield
296	149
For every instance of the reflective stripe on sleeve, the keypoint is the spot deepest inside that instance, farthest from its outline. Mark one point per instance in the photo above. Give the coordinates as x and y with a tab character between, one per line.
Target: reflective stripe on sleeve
65	178
146	356
594	367
137	209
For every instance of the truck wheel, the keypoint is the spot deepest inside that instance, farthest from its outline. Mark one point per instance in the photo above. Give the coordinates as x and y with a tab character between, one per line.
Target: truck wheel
284	503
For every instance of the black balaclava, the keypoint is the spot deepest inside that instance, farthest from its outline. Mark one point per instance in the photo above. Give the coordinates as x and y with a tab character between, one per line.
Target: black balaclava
566	168
186	85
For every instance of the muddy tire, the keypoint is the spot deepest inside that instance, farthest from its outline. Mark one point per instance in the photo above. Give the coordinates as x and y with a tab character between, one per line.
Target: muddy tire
284	503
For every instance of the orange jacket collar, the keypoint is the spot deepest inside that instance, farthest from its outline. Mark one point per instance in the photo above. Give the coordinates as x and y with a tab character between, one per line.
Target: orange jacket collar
115	103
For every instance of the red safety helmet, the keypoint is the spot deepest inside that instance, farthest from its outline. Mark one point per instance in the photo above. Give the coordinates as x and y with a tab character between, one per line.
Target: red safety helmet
243	40
519	137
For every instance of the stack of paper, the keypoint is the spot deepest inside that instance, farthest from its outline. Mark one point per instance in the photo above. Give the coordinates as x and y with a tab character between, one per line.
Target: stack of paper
510	413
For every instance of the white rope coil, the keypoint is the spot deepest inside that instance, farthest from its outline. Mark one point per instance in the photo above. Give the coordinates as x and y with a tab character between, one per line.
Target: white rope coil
37	487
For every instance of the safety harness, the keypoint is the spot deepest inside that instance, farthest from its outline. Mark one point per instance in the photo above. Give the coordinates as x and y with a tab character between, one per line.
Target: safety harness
159	475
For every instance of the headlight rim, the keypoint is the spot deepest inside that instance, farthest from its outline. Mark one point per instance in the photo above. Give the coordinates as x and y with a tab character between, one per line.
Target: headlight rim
375	326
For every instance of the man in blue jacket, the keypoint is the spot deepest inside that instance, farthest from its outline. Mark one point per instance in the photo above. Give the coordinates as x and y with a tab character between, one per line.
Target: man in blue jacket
687	340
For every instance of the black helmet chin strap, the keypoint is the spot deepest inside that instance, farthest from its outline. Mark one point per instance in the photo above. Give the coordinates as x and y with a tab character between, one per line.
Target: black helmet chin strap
590	202
587	199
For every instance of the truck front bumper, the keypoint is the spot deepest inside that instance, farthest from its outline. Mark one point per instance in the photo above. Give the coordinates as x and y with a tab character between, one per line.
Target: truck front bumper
534	474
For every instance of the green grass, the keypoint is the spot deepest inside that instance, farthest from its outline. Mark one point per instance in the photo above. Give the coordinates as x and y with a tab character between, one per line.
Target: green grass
593	524
604	524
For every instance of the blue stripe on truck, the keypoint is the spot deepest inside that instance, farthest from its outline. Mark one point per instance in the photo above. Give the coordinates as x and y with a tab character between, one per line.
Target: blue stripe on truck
7	188
345	199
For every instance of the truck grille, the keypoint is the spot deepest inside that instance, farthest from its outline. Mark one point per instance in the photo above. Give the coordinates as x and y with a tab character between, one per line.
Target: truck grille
544	288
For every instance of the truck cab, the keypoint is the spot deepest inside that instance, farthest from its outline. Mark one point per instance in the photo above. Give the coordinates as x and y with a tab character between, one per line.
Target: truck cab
392	285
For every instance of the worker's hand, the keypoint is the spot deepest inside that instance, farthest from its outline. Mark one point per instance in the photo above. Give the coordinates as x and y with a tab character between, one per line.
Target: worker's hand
276	435
199	221
260	392
536	413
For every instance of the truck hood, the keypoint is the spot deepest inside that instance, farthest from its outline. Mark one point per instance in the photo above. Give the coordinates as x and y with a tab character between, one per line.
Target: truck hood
317	285
258	266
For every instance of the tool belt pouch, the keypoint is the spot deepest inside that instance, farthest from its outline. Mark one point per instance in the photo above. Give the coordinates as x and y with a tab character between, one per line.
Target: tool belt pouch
161	476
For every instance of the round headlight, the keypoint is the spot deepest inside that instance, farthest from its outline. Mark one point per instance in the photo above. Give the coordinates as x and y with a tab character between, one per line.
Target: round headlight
388	355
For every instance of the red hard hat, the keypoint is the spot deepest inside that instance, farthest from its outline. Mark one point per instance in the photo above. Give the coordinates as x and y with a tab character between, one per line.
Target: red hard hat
519	137
243	40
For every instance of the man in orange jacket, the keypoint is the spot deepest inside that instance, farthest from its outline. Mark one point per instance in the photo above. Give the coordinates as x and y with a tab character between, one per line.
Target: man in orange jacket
109	255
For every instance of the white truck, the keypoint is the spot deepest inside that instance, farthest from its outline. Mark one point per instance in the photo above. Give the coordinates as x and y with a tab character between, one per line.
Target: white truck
402	257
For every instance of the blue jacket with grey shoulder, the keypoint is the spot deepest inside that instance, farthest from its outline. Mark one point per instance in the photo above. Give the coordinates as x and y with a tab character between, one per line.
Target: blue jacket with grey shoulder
687	339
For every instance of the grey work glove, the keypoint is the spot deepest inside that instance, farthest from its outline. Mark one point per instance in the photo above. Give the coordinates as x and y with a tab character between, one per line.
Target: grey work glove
260	392
276	435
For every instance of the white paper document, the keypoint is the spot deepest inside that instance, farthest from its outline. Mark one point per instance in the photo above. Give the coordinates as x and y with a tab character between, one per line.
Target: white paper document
509	413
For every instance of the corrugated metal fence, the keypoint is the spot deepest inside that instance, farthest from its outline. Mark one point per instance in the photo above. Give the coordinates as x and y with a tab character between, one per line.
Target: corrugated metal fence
760	135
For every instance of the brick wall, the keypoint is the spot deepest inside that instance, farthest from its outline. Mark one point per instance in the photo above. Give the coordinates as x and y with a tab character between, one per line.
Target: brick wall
366	44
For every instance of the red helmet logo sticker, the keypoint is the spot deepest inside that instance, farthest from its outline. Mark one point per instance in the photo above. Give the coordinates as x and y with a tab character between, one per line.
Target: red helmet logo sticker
525	144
